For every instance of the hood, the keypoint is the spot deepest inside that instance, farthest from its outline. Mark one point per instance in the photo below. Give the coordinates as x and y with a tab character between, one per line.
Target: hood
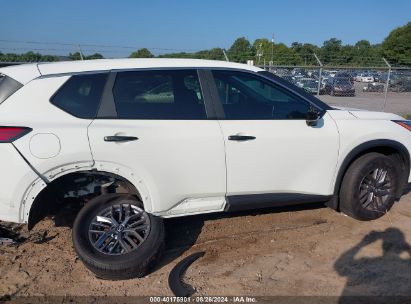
370	115
375	115
347	108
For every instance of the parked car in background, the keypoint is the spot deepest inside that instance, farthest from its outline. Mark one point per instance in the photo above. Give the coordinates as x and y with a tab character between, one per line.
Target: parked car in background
383	77
323	85
373	87
297	78
345	74
358	77
311	73
298	71
308	84
332	73
376	77
365	77
354	74
400	83
289	78
339	87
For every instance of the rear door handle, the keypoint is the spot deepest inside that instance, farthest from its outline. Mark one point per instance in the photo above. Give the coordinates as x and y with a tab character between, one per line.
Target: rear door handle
118	138
241	137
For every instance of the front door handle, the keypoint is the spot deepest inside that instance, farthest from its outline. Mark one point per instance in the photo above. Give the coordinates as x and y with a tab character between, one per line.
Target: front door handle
241	137
118	138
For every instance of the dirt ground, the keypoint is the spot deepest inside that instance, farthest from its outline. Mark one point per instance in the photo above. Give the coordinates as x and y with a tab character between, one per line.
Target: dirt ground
303	250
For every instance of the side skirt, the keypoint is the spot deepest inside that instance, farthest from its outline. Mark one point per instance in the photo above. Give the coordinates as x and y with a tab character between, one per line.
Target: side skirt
256	201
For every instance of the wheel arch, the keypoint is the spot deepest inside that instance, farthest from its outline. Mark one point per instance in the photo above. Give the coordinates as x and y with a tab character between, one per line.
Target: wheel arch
33	199
383	146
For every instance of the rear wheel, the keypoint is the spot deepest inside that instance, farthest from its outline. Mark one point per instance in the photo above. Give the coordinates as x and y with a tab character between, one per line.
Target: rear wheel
369	187
116	239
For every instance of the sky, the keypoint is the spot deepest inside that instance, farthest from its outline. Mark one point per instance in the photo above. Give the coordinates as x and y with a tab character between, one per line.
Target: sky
170	26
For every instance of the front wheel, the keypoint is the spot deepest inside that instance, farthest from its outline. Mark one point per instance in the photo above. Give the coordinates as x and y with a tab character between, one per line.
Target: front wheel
369	187
115	238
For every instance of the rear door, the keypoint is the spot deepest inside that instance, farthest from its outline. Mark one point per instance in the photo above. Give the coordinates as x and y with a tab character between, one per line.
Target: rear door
154	124
270	149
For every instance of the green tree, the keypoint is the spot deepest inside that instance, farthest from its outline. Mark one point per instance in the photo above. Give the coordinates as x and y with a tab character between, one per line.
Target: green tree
213	54
75	56
306	52
331	51
397	46
262	48
26	57
241	50
95	56
48	58
177	55
141	53
284	55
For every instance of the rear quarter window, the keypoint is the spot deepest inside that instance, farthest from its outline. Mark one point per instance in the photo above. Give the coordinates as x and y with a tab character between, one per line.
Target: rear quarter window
8	86
80	95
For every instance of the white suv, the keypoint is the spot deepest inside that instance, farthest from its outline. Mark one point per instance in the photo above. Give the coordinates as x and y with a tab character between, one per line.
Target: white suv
139	140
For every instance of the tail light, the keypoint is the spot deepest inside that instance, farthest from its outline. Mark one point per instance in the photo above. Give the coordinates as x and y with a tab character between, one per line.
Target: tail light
404	123
10	134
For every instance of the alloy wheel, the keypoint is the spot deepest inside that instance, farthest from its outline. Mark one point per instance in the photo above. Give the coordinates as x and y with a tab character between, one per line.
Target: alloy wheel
119	229
375	189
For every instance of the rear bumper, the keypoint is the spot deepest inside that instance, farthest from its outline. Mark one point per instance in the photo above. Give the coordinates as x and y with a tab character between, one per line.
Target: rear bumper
16	177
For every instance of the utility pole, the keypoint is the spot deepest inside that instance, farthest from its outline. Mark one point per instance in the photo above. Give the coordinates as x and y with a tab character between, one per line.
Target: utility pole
272	49
319	73
260	52
81	53
225	55
387	83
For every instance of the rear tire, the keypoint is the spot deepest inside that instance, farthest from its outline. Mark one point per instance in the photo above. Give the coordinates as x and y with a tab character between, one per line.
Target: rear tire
369	187
119	253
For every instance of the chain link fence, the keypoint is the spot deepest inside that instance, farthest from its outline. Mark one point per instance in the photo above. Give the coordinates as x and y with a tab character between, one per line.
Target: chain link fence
375	88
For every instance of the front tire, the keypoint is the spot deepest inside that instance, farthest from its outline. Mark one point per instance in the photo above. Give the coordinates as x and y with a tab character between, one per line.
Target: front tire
369	187
116	239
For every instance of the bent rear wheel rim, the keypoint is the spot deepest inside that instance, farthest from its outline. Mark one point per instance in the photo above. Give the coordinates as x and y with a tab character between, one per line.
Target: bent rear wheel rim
119	229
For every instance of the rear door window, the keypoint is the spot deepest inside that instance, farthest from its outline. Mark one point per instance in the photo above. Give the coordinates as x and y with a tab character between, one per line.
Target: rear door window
159	94
8	86
80	95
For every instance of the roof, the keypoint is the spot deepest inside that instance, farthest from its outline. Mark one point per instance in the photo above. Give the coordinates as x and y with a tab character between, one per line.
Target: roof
26	72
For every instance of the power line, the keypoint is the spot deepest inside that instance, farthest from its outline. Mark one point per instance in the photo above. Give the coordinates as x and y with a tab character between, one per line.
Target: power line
97	45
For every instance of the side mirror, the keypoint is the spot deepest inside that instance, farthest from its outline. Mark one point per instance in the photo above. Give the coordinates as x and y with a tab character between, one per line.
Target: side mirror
312	118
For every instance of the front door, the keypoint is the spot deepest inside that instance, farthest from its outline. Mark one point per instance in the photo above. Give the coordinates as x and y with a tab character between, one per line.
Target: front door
269	146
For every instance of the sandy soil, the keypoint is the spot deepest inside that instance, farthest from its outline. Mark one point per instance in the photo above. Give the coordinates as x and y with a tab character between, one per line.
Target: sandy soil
288	251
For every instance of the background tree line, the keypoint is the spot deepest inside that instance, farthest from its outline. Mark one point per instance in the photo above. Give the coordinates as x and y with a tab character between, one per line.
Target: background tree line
396	48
